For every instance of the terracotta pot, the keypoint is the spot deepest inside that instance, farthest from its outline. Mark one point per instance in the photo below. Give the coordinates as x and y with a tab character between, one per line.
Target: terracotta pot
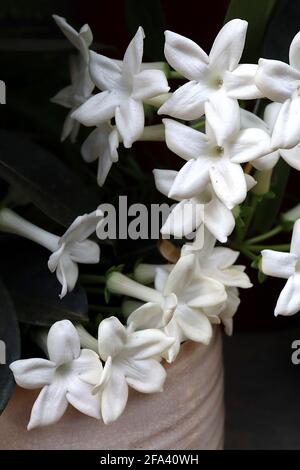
189	414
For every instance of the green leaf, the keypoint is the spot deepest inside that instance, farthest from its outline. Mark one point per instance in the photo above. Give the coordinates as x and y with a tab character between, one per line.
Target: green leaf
151	17
10	345
267	211
34	290
257	13
44	179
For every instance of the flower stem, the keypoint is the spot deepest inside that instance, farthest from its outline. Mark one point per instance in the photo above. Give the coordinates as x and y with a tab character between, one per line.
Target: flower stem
172	74
285	247
265	236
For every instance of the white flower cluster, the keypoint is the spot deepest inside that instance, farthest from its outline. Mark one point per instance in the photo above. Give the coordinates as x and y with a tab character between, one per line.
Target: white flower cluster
201	288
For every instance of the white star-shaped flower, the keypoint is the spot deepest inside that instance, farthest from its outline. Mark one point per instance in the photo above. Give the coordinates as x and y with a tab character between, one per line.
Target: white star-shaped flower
207	74
286	266
67	377
132	359
81	84
125	86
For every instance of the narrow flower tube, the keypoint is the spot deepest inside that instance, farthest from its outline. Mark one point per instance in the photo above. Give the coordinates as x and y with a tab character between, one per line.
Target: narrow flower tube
117	283
87	341
12	223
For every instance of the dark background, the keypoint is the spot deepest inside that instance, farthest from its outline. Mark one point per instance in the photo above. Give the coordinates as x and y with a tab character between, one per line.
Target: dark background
262	386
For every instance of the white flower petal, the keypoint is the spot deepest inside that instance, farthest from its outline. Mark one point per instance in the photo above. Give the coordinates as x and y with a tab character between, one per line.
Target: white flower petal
295	242
271	113
277	264
82	227
286	132
230	310
240	83
173	330
133	56
185	56
218	219
249	119
228	181
223	116
292	156
192	179
88	367
111	337
148	84
164	180
181	275
68	126
49	406
66	273
114	396
276	80
97	109
184	218
63	342
147	344
79	395
145	376
294	53
195	325
130	121
105	73
161	276
289	300
187	102
85	252
267	162
249	145
205	292
33	373
222	257
185	141
71	34
64	97
149	315
228	46
232	277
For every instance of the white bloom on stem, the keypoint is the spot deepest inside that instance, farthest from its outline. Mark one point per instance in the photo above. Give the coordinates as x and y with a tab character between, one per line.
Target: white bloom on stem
68	250
81	86
63	378
125	86
280	82
267	162
286	266
208	74
176	304
131	359
215	157
292	215
190	214
74	247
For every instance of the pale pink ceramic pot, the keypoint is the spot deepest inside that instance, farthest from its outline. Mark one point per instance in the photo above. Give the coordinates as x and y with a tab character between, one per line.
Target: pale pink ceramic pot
189	414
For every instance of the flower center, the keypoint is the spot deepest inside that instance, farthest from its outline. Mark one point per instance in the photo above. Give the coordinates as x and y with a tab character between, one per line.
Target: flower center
217	82
218	151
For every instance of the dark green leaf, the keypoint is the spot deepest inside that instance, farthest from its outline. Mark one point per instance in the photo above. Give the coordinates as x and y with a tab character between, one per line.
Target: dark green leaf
44	179
150	16
34	289
257	13
268	209
9	347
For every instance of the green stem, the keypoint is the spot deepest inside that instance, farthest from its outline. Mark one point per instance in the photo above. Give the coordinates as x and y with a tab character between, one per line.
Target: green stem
247	252
92	279
175	75
265	236
199	125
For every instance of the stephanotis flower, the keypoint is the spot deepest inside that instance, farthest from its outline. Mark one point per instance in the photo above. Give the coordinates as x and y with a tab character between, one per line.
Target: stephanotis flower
131	359
203	209
81	84
280	82
68	250
267	162
286	266
215	157
103	143
125	86
208	74
176	304
63	378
